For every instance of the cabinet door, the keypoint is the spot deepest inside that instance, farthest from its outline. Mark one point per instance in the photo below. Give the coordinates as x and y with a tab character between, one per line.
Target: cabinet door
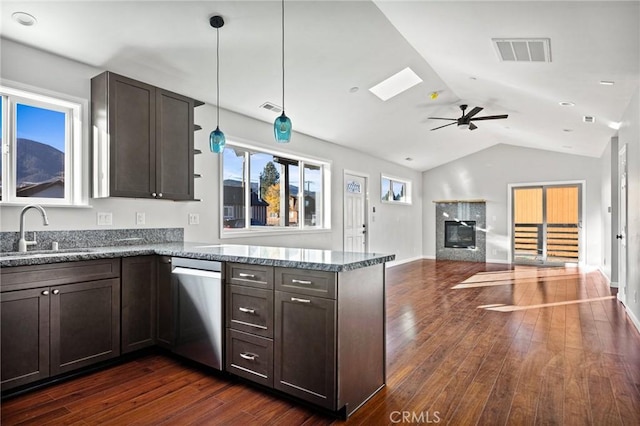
132	132
24	326
85	324
165	305
139	286
174	146
305	348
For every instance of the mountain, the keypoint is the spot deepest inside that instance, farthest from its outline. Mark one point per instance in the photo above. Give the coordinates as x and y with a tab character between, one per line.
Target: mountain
38	162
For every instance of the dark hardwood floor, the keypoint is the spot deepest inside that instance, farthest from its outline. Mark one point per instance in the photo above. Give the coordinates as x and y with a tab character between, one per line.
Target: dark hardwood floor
527	346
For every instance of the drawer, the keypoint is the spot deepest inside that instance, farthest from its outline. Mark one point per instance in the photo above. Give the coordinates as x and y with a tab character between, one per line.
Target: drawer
23	277
302	281
250	275
250	309
250	357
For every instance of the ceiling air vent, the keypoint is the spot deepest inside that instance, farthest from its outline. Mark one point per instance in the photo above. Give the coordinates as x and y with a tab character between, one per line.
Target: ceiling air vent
589	119
523	49
271	107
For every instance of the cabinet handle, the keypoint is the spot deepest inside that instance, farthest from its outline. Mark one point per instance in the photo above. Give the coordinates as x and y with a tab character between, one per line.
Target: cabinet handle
45	293
305	282
295	299
245	275
56	291
153	194
160	195
248	356
247	310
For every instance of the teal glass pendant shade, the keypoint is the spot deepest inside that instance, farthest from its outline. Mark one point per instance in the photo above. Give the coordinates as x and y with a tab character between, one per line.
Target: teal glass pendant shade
217	141
282	129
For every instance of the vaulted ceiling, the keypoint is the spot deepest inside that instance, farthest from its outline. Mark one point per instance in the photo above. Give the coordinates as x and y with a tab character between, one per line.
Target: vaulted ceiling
337	50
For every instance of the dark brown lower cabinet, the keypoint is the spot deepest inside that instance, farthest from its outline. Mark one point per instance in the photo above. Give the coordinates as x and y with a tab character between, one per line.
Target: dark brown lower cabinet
85	324
58	318
24	324
139	288
305	348
166	296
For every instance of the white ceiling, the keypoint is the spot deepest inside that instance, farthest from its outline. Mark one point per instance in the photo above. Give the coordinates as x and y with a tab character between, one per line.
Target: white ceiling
332	46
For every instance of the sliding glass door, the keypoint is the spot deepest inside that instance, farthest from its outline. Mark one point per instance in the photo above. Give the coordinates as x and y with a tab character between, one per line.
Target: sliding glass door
547	223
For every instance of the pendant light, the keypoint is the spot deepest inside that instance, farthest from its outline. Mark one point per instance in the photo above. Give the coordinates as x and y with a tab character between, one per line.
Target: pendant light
282	125
217	140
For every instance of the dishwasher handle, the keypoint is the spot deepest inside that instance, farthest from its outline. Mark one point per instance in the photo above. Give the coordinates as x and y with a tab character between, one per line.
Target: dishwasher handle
196	272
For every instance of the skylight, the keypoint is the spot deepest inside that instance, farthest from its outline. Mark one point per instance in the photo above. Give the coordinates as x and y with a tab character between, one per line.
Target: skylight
396	84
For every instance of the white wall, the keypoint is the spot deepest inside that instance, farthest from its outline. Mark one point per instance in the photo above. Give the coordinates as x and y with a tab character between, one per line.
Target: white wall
487	174
394	229
609	209
629	134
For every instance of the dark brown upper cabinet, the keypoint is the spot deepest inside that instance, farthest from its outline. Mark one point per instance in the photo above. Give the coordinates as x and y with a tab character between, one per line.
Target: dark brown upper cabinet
142	140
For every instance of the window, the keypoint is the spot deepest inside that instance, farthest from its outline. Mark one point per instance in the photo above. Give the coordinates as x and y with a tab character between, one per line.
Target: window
395	190
41	148
266	191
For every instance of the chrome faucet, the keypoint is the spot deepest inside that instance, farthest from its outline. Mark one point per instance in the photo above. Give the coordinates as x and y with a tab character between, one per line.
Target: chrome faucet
23	243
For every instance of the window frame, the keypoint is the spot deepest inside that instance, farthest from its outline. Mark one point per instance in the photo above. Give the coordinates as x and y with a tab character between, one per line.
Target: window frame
76	128
393	179
248	229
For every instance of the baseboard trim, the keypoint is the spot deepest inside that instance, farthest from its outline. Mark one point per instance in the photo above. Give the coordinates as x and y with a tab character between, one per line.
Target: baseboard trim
403	261
634	319
503	261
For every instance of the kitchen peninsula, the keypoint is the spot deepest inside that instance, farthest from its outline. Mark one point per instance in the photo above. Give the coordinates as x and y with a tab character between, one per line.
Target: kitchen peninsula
305	323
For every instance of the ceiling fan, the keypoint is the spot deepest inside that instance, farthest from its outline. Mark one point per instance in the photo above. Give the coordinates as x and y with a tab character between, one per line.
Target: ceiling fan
465	120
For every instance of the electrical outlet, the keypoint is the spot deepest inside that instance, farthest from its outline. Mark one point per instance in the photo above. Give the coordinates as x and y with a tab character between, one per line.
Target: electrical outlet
105	219
194	219
140	218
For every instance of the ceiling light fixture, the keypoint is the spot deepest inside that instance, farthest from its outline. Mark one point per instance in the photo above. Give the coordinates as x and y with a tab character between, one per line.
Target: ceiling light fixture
607	83
24	18
217	140
566	103
615	125
396	84
282	125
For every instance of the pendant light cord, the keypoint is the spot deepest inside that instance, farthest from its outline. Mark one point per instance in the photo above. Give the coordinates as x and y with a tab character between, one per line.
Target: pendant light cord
282	55
218	77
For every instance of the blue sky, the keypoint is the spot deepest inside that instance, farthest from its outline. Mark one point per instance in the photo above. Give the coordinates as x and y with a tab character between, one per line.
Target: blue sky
40	125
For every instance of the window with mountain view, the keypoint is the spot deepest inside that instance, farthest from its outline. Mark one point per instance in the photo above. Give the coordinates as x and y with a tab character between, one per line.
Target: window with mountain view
40	137
266	190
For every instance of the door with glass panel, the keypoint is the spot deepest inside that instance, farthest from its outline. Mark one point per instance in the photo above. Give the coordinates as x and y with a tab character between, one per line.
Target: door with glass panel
547	224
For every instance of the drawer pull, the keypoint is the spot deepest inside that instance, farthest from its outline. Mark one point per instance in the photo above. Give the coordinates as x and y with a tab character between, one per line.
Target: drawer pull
295	299
247	310
45	293
305	282
56	291
249	356
245	275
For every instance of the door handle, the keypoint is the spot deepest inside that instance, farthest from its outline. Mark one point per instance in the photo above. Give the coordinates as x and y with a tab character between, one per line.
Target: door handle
619	237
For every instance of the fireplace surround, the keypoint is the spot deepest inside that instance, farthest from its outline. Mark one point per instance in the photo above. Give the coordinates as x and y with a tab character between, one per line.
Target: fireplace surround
461	230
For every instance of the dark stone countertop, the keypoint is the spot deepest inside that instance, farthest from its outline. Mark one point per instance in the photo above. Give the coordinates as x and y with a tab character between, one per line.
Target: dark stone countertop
319	260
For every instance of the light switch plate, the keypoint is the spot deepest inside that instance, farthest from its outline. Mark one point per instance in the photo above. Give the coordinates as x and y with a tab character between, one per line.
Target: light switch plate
105	218
194	219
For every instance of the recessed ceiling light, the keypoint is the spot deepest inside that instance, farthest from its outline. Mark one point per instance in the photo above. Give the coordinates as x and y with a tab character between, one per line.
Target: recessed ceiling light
409	159
396	84
607	82
24	18
354	89
567	130
566	103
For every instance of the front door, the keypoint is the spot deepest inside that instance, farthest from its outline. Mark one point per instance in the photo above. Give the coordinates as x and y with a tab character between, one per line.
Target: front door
355	224
547	224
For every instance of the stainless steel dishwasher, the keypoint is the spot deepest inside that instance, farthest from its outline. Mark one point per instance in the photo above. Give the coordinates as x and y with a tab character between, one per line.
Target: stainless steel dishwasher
199	324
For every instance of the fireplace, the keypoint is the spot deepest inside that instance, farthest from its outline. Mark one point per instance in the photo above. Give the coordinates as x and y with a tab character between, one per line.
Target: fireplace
460	234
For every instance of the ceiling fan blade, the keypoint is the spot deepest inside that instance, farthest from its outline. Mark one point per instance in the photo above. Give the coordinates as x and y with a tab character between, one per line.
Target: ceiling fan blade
473	112
472	126
450	124
490	117
440	118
